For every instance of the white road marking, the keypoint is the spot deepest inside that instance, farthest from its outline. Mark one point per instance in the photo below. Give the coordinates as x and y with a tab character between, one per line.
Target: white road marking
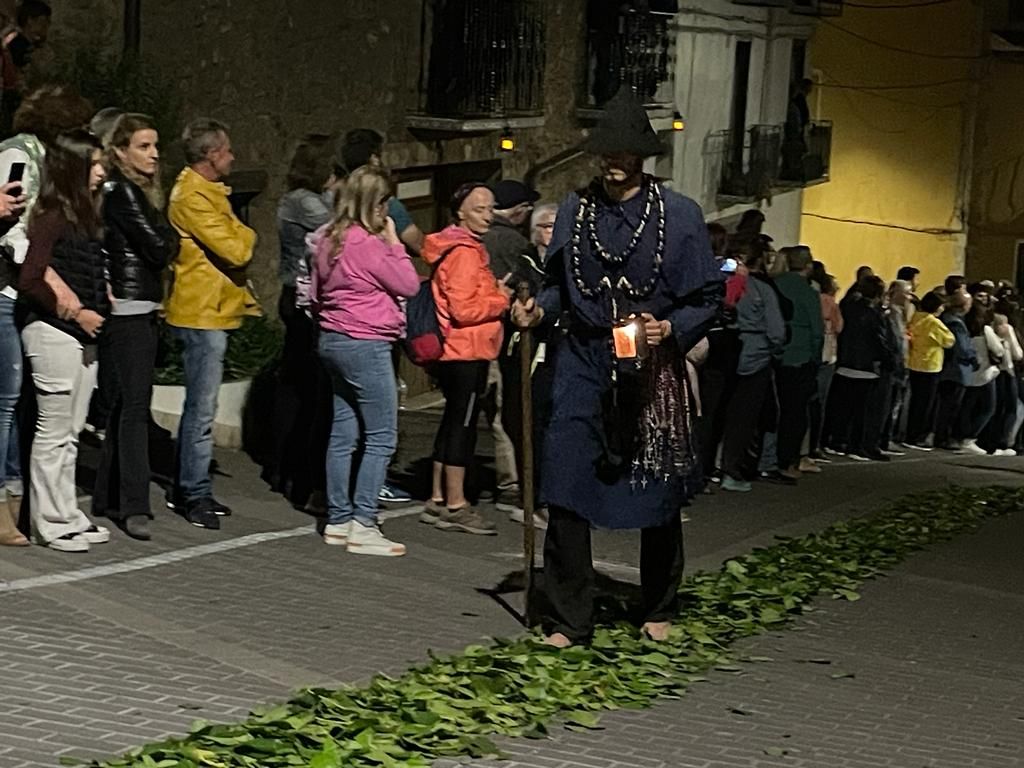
177	556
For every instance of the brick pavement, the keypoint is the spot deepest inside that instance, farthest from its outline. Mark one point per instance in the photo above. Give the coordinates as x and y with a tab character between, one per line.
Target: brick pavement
96	666
924	672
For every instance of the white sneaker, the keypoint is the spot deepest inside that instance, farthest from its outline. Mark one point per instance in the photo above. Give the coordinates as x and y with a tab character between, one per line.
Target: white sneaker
96	534
918	447
891	452
972	447
368	540
337	535
1005	452
75	542
540	518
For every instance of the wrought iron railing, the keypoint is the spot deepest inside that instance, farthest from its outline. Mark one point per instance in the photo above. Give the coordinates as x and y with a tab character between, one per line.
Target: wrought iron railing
748	163
631	47
485	58
817	7
817	165
807	159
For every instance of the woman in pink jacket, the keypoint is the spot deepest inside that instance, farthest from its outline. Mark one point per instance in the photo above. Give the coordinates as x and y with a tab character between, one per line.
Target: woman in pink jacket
361	275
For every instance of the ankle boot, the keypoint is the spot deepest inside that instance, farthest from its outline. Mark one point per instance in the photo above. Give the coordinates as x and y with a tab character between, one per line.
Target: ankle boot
10	536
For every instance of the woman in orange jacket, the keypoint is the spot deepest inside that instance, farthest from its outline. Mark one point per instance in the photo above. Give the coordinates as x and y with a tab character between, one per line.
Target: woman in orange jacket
470	305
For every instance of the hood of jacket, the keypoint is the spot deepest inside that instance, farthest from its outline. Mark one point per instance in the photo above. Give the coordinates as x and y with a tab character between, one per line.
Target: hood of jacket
439	244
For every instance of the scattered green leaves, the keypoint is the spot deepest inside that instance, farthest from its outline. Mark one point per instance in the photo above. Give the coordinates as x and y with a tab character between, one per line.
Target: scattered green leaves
450	706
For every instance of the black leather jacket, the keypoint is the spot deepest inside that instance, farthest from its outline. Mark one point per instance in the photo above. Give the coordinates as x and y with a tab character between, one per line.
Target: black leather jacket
866	343
139	241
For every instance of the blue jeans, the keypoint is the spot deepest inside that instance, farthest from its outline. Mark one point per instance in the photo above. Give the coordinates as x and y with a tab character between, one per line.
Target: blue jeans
769	453
10	389
204	370
366	402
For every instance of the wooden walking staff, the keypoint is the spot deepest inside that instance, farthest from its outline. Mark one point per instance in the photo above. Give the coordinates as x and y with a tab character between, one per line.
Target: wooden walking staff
526	480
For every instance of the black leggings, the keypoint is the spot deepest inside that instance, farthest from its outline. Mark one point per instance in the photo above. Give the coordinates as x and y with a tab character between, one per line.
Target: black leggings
128	353
463	383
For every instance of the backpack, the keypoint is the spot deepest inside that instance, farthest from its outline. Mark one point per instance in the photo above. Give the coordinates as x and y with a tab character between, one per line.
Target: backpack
424	338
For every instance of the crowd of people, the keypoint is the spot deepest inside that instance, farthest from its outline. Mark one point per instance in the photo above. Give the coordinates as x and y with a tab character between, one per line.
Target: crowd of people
794	378
668	355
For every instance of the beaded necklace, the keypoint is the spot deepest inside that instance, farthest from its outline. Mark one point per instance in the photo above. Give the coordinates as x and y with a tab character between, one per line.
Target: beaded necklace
586	218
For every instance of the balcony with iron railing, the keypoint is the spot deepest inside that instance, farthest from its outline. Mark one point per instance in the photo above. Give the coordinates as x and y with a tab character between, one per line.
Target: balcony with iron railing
806	159
483	65
744	167
633	47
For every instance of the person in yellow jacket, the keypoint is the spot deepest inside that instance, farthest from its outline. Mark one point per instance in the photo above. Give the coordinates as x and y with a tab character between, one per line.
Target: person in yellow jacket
209	297
929	339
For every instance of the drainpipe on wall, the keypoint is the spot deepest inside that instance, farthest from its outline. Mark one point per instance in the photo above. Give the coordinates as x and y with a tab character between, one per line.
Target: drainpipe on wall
132	26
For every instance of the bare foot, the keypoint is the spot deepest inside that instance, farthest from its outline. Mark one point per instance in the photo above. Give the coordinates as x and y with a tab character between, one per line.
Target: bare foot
657	630
557	640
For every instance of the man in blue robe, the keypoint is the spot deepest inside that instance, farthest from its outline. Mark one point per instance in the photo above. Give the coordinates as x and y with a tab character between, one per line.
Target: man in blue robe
620	447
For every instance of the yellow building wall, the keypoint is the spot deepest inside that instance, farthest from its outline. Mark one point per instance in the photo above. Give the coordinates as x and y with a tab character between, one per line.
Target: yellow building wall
997	194
898	171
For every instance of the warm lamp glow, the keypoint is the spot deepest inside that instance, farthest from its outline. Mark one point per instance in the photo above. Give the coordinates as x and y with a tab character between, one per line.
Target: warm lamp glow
507	143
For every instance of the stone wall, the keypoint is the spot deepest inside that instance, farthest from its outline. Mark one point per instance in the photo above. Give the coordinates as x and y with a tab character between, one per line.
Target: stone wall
275	70
77	24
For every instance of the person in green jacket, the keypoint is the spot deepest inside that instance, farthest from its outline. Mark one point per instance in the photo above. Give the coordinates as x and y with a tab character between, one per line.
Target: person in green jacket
800	358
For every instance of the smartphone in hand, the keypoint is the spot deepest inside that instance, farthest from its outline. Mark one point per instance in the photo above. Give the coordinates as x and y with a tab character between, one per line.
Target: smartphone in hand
16	175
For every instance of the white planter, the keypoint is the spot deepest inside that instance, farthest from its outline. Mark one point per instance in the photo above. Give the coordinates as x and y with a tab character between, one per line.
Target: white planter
169	401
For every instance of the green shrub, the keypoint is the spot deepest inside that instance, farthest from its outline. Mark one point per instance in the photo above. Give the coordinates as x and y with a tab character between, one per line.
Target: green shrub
127	82
252	349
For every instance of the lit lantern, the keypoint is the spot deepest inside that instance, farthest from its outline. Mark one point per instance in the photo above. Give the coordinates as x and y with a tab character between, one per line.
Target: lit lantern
507	143
678	124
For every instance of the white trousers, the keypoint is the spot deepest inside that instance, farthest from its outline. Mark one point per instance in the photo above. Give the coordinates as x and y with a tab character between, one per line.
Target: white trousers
64	373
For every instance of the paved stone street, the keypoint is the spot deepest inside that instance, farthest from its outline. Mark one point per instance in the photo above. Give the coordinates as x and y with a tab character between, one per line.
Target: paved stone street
134	641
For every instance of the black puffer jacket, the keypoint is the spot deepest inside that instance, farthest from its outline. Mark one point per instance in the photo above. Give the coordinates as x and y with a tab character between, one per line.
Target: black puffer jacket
138	239
80	263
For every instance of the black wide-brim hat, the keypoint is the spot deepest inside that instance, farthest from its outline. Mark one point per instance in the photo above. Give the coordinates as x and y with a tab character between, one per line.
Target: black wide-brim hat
624	127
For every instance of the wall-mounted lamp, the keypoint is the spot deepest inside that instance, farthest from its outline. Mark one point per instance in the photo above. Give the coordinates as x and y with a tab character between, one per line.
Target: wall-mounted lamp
507	142
678	124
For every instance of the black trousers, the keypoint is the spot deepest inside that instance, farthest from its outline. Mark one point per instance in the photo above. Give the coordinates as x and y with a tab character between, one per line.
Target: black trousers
717	384
921	420
978	408
103	397
128	353
849	406
303	409
569	573
951	399
998	435
796	385
542	387
742	419
879	411
463	383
